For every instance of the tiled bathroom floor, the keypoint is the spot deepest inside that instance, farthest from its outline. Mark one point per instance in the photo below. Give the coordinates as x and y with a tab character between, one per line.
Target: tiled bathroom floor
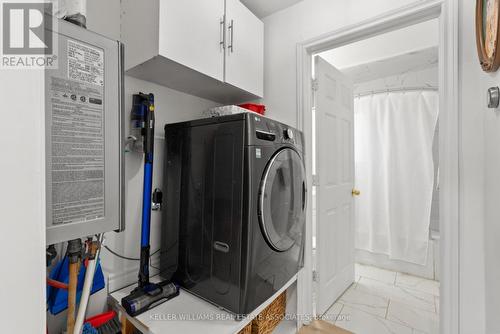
387	302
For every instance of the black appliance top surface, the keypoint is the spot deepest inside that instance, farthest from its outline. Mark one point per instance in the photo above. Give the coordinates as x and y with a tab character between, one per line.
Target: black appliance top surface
209	120
260	130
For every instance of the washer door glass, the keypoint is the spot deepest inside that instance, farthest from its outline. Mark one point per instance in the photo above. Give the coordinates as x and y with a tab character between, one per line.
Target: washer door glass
282	199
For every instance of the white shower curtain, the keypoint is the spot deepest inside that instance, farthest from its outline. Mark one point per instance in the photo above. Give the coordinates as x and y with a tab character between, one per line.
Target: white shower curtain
395	172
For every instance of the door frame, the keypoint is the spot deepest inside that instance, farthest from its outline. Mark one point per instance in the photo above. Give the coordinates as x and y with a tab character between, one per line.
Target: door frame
449	145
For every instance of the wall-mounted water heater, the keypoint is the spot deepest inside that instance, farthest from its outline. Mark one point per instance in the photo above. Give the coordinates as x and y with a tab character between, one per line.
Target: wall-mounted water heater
84	136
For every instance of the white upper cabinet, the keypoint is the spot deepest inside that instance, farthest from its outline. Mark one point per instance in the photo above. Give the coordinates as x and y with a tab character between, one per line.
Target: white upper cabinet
190	34
188	46
244	48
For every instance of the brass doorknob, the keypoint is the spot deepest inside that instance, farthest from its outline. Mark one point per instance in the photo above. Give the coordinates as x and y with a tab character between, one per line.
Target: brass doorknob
356	192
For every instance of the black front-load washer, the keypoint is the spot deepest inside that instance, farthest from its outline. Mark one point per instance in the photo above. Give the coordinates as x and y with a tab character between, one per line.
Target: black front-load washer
234	217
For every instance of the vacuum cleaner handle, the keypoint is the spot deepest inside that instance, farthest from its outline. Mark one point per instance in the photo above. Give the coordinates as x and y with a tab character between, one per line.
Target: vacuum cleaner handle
148	108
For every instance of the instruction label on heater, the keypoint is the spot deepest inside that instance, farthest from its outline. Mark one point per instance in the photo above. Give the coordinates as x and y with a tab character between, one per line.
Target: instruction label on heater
85	63
77	150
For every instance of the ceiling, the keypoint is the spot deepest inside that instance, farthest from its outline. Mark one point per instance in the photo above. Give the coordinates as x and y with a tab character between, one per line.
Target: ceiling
263	8
397	42
408	62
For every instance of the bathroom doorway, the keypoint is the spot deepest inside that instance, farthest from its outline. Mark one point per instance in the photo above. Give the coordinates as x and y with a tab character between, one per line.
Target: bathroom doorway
388	236
388	88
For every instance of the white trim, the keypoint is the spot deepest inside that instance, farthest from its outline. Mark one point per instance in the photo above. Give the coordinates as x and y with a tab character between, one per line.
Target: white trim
449	138
447	12
43	217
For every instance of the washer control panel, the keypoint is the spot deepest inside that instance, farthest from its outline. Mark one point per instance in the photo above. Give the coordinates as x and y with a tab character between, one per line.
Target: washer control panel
273	131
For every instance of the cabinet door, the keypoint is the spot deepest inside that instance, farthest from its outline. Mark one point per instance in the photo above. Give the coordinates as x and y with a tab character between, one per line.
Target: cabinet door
244	48
190	32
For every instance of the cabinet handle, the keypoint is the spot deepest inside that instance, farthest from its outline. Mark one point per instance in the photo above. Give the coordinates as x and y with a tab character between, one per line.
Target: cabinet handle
222	28
231	36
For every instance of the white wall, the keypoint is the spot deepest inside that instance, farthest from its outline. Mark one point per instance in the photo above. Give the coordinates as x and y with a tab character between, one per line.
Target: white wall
22	226
311	18
480	179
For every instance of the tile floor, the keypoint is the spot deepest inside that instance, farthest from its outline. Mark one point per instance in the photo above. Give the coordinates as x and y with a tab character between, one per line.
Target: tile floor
387	302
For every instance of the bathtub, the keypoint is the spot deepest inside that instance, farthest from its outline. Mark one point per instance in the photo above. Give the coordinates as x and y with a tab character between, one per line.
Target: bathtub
430	270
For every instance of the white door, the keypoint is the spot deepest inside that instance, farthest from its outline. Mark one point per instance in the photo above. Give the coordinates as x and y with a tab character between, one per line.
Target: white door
335	168
244	48
190	33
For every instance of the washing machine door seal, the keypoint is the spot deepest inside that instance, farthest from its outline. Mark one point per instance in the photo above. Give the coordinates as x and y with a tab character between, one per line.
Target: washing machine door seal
282	199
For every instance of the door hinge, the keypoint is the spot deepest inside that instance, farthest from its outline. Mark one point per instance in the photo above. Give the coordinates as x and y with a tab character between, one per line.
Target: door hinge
315	276
314	84
315	180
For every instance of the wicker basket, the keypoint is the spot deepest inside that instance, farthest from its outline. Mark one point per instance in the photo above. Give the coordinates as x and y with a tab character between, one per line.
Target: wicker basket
270	317
246	330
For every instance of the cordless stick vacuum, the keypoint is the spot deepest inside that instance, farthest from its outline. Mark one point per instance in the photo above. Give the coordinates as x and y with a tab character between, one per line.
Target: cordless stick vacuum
147	295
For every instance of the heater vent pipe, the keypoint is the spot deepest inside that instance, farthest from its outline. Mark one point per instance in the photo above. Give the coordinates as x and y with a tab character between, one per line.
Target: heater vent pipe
74	11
